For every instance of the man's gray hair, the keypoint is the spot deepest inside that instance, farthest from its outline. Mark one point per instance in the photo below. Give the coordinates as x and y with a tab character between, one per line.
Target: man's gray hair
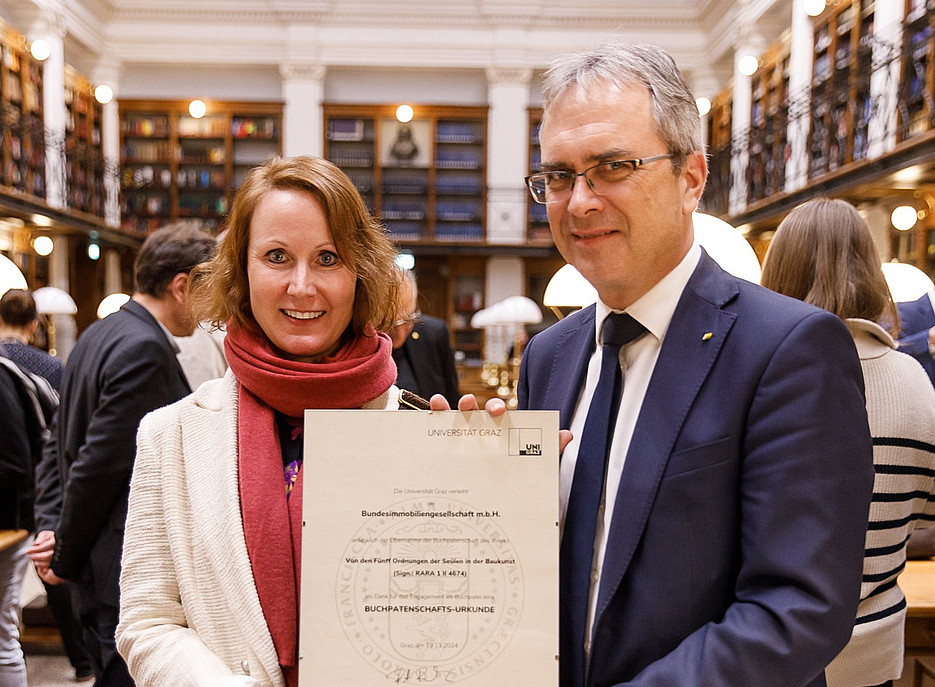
675	114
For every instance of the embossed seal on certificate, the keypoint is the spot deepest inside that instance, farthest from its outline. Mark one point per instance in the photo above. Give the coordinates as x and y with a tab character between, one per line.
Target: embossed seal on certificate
429	590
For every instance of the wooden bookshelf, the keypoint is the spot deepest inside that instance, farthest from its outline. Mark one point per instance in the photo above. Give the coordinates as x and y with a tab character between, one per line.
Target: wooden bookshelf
716	198
769	147
426	179
916	113
22	129
84	154
176	167
537	221
840	97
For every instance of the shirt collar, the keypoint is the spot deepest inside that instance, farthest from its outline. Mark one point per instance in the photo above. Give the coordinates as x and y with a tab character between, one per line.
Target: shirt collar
655	308
172	342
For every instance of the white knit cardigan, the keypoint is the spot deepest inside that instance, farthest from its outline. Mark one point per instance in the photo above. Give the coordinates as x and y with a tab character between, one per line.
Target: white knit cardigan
189	610
901	411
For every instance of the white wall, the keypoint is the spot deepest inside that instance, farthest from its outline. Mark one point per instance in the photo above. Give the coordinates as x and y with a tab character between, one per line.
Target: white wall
370	85
220	82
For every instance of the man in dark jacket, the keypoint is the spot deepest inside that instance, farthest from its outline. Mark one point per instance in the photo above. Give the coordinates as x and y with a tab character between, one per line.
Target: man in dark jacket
121	368
422	352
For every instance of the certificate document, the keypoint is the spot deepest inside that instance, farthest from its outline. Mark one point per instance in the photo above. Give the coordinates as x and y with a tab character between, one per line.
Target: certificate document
429	549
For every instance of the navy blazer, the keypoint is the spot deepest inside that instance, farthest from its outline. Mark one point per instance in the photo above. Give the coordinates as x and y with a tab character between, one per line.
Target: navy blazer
735	552
121	368
915	319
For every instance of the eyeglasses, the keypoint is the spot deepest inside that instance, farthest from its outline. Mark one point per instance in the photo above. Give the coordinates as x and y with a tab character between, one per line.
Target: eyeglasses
410	319
556	186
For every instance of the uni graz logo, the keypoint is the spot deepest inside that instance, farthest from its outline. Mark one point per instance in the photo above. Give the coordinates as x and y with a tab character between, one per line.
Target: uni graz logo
525	442
429	591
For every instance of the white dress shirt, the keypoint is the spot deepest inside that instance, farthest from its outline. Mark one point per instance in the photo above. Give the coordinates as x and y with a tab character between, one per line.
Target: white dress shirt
654	311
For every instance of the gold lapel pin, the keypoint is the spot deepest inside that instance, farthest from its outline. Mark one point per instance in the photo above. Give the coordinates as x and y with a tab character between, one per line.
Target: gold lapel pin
707	335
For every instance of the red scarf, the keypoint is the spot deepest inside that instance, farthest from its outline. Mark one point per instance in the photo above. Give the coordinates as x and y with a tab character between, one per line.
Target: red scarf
359	372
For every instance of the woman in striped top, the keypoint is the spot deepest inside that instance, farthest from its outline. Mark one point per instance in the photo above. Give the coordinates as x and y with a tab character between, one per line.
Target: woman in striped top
823	253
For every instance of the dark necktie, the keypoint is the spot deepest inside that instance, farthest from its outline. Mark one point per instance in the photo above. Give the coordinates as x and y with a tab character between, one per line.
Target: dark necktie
577	547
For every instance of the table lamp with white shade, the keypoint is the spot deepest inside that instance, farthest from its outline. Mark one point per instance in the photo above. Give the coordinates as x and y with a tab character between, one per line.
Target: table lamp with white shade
504	328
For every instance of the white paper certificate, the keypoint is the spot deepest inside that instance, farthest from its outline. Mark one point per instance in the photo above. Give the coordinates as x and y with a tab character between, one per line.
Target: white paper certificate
430	549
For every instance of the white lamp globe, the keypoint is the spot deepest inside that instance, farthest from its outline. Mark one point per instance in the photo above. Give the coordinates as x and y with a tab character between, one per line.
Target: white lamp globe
41	49
907	282
10	276
103	93
748	64
813	8
42	245
197	108
404	113
111	304
727	247
904	217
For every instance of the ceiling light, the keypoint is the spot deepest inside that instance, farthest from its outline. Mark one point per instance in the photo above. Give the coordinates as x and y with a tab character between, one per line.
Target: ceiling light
747	65
42	245
103	93
41	49
404	113
704	105
814	7
197	108
904	217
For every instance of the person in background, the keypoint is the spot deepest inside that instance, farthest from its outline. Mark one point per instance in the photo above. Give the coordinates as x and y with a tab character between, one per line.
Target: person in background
713	511
823	254
201	355
422	351
23	428
917	331
304	282
121	368
19	321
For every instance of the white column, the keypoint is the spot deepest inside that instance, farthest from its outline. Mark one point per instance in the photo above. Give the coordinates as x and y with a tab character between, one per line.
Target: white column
107	71
884	82
51	27
506	277
801	53
705	85
66	331
740	123
113	282
303	120
507	153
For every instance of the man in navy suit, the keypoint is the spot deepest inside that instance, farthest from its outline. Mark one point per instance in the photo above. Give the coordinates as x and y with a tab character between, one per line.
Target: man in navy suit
121	368
917	331
730	523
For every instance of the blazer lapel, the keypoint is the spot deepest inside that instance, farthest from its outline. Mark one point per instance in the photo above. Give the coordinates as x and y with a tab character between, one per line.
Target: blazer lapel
573	348
695	336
